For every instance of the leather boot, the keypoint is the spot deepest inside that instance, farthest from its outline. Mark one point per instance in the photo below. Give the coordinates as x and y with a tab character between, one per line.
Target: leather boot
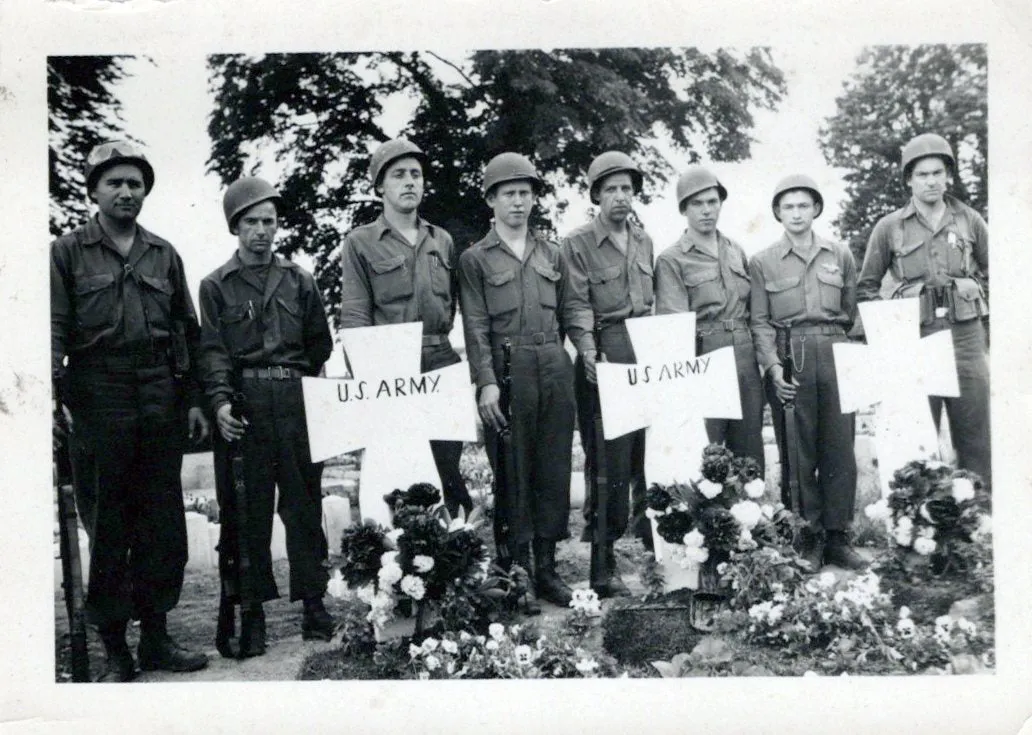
812	550
549	585
841	553
158	652
120	665
225	629
615	584
252	630
317	624
529	600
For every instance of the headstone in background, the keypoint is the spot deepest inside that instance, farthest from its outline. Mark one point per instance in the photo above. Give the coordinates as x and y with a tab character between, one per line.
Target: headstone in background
336	517
199	547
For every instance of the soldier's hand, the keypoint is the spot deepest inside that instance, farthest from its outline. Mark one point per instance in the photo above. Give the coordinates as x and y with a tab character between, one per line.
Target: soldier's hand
490	407
589	366
230	428
198	425
786	391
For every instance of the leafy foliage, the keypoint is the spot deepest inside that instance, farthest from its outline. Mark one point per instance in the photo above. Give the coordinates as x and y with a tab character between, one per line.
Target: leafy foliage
83	112
317	117
898	92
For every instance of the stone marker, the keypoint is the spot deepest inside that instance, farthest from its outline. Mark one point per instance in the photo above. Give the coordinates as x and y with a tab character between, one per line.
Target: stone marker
199	547
390	409
336	517
896	371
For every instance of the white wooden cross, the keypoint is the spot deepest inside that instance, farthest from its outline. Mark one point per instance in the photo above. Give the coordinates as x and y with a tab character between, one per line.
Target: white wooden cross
389	408
897	370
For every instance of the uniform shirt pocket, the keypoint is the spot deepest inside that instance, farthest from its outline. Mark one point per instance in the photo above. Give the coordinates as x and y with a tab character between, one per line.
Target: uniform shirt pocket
547	285
291	321
240	329
830	286
440	274
391	280
648	282
607	289
95	300
501	292
911	260
741	280
157	295
786	297
704	288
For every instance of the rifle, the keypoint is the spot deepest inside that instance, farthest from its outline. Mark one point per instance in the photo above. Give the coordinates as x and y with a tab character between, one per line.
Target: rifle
790	454
506	479
598	571
71	564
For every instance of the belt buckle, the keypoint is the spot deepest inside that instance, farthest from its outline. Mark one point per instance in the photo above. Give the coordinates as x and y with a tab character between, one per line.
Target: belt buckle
729	325
276	372
539	338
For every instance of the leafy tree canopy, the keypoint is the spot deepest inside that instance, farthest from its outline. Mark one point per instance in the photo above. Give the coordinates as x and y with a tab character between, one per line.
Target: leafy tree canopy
898	92
318	116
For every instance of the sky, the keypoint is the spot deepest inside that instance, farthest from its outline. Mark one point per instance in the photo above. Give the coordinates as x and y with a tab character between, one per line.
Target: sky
166	104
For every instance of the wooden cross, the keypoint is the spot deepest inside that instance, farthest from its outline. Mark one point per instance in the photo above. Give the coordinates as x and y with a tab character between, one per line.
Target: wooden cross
896	371
389	408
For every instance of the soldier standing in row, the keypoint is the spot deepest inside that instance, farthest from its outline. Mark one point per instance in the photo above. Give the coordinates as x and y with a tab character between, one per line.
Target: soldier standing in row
804	301
706	272
610	280
122	316
401	268
513	291
263	329
938	250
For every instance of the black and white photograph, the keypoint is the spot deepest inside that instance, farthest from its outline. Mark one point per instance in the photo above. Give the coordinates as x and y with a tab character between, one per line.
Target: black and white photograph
407	357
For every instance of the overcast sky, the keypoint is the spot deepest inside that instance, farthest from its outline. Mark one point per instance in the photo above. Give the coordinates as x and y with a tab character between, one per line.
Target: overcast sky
167	103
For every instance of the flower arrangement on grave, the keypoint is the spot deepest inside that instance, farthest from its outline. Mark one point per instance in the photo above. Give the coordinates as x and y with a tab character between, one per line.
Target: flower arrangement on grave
935	516
427	559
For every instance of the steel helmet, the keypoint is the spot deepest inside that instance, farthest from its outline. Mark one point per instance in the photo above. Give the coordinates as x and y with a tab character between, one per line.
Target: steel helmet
390	152
612	162
792	183
243	194
922	146
112	153
509	167
696	179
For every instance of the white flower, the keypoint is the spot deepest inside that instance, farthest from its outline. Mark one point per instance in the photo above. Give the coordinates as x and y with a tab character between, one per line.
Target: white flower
366	593
653	514
904	612
491	645
710	489
826	580
768	510
693	538
464	636
966	626
450	646
746	512
388	557
431	663
906	628
924	546
745	540
393	535
985	527
459	524
926	532
423	563
903	531
963	489
424	675
755	488
586	665
694	555
450	667
413	587
496	631
878	511
389	575
523	654
430	645
414	650
337	587
722	568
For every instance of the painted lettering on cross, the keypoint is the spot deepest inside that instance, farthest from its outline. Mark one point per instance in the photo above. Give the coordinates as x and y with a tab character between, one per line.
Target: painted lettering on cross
667	371
362	390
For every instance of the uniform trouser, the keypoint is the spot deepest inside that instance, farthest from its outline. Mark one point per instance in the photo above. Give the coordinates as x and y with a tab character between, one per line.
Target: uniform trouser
826	463
447	454
542	417
276	455
130	436
968	413
625	455
744	437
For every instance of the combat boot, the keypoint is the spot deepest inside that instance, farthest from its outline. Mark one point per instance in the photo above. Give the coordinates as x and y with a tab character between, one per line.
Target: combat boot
529	599
120	666
317	624
252	630
615	584
841	553
812	549
549	584
158	652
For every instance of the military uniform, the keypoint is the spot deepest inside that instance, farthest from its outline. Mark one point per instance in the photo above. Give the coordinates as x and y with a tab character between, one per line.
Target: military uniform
717	289
387	280
263	328
114	317
815	295
945	267
606	287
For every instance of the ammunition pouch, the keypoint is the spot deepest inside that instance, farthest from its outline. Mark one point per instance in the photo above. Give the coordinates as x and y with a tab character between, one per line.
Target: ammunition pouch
961	298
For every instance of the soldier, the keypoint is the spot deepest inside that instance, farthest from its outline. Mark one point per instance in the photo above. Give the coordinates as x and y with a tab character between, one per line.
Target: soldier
804	300
706	272
512	289
401	268
263	328
938	250
609	261
122	316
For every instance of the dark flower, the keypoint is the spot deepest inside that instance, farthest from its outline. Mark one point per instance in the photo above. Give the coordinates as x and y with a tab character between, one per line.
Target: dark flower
720	529
716	462
657	498
944	512
747	468
672	527
423	494
361	547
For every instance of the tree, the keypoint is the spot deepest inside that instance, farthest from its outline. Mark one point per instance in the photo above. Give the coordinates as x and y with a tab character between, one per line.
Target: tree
898	92
317	117
83	111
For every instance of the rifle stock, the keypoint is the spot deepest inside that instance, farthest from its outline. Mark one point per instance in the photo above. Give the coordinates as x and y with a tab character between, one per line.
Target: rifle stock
506	478
790	457
598	573
71	563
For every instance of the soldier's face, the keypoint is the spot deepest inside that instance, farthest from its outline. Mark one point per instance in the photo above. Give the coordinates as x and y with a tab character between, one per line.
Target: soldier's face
511	203
703	211
402	187
256	229
797	210
929	178
119	192
615	196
